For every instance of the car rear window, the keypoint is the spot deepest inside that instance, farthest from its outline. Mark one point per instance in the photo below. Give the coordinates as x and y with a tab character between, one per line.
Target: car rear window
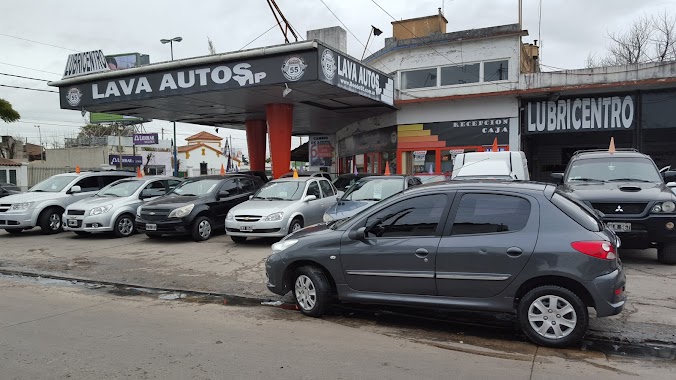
577	211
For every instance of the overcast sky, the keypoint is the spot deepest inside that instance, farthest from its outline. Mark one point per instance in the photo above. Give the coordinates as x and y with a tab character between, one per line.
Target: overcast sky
569	30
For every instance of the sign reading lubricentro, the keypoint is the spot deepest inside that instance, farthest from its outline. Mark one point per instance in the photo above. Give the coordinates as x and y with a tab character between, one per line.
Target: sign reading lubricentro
88	62
145	139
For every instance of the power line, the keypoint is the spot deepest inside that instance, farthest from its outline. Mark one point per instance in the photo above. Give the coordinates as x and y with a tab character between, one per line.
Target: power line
27	88
261	35
29	68
37	42
19	76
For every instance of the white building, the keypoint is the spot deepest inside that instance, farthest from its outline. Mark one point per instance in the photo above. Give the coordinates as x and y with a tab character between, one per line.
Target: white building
14	172
203	155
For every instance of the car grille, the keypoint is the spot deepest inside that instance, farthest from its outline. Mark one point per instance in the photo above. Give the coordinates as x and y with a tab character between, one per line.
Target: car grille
76	212
154	215
247	218
620	208
4	208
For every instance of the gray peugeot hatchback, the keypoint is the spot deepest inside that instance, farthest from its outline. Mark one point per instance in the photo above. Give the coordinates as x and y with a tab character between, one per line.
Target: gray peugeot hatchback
524	247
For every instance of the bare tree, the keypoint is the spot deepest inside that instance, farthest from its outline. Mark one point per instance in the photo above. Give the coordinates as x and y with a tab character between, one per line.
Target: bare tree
648	39
212	48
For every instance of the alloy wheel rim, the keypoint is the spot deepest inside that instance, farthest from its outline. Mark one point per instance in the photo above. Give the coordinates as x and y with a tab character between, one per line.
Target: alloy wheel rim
295	227
204	229
552	317
54	222
305	292
125	226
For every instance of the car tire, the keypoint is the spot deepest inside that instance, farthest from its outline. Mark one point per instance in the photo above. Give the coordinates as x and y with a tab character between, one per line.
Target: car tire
82	233
153	236
666	254
50	221
124	226
535	312
296	224
202	228
238	239
311	291
14	231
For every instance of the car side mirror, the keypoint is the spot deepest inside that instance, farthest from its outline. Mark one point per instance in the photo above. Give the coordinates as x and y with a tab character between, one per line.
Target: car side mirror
358	234
145	194
669	176
75	189
671	184
251	196
310	198
223	194
557	177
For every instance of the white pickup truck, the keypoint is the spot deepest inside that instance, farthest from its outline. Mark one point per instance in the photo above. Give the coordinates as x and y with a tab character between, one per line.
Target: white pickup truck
491	165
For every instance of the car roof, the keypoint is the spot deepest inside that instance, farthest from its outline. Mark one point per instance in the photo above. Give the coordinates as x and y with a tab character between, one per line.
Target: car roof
371	178
299	179
225	176
104	173
486	185
605	153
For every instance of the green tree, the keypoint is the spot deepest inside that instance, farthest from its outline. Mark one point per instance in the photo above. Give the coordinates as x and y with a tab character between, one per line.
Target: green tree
7	113
100	130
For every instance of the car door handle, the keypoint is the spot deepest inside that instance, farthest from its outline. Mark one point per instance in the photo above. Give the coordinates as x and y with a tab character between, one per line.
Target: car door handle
514	251
421	252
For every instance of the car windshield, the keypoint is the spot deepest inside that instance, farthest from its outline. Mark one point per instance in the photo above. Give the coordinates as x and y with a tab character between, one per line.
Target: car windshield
613	169
196	188
120	189
343	183
282	190
53	184
373	189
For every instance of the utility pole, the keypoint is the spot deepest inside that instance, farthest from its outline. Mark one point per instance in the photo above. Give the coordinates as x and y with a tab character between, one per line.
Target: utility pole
42	154
119	146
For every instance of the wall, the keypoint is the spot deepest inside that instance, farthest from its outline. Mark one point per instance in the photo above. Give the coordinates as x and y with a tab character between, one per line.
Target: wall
192	163
335	36
21	175
419	27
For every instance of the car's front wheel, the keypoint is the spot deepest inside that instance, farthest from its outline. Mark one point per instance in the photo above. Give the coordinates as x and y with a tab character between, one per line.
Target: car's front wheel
553	316
202	228
666	254
311	291
50	221
124	226
296	224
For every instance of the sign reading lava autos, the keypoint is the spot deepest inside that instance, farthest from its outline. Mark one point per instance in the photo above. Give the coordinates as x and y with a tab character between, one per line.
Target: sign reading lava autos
204	78
88	62
114	159
350	75
321	151
471	132
145	139
581	115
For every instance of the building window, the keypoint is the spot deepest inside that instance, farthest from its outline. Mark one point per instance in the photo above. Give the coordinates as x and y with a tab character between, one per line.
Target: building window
495	71
419	78
452	75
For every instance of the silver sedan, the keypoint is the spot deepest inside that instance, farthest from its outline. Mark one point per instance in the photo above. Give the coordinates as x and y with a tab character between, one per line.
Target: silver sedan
281	207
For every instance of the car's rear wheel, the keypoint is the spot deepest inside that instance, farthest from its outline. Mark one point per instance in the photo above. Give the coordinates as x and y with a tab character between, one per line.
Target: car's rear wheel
50	221
666	254
296	224
124	226
14	230
311	291
202	228
238	239
553	316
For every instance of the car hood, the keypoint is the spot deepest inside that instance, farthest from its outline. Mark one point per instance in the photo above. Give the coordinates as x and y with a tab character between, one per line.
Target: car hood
32	197
619	191
174	201
98	201
313	230
344	209
261	207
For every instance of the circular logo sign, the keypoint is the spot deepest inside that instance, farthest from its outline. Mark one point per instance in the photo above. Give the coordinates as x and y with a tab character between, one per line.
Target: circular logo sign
73	96
294	68
328	64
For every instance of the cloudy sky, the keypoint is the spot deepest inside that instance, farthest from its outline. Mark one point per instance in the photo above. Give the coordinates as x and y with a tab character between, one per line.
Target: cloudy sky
568	31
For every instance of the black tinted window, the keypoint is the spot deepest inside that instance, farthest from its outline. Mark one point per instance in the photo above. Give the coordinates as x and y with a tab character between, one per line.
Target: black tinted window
418	216
490	213
327	189
173	183
577	211
229	186
494	71
247	185
108	179
313	189
91	183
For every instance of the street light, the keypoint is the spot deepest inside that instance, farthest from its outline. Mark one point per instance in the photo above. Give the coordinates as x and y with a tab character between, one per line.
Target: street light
171	45
374	31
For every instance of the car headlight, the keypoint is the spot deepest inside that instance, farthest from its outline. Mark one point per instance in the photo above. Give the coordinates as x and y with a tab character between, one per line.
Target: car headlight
282	245
664	207
22	206
327	218
274	217
138	211
230	216
100	210
181	211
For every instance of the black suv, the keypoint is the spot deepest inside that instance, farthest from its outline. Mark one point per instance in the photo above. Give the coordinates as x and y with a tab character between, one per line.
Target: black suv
196	207
631	195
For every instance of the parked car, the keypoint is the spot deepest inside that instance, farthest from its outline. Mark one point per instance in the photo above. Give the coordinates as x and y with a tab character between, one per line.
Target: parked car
281	207
431	178
366	192
8	189
261	174
344	181
44	203
497	247
196	207
113	209
629	191
308	174
510	165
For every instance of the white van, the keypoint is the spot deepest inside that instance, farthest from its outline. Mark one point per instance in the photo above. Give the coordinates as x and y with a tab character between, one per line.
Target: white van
491	165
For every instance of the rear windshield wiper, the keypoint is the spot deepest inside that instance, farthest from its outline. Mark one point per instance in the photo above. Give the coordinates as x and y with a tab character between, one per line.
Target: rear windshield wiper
259	198
188	195
586	180
370	199
627	180
275	199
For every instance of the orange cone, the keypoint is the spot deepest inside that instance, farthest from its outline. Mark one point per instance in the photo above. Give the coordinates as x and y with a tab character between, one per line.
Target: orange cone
387	168
77	169
611	148
295	173
495	145
139	174
222	170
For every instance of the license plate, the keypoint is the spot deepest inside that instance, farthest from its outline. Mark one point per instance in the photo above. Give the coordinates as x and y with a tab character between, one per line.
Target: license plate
619	227
72	223
151	227
246	228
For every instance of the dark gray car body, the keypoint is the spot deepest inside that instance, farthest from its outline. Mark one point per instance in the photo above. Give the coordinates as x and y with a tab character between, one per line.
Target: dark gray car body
456	271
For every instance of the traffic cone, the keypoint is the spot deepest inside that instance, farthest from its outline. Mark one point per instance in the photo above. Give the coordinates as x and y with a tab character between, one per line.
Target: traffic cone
495	145
387	168
611	148
139	173
77	169
295	173
222	170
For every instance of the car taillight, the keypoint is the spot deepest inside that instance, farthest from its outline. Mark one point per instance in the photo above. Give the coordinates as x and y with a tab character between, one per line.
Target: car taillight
599	249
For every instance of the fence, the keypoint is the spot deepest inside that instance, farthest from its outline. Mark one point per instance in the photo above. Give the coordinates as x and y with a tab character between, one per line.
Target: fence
39	173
